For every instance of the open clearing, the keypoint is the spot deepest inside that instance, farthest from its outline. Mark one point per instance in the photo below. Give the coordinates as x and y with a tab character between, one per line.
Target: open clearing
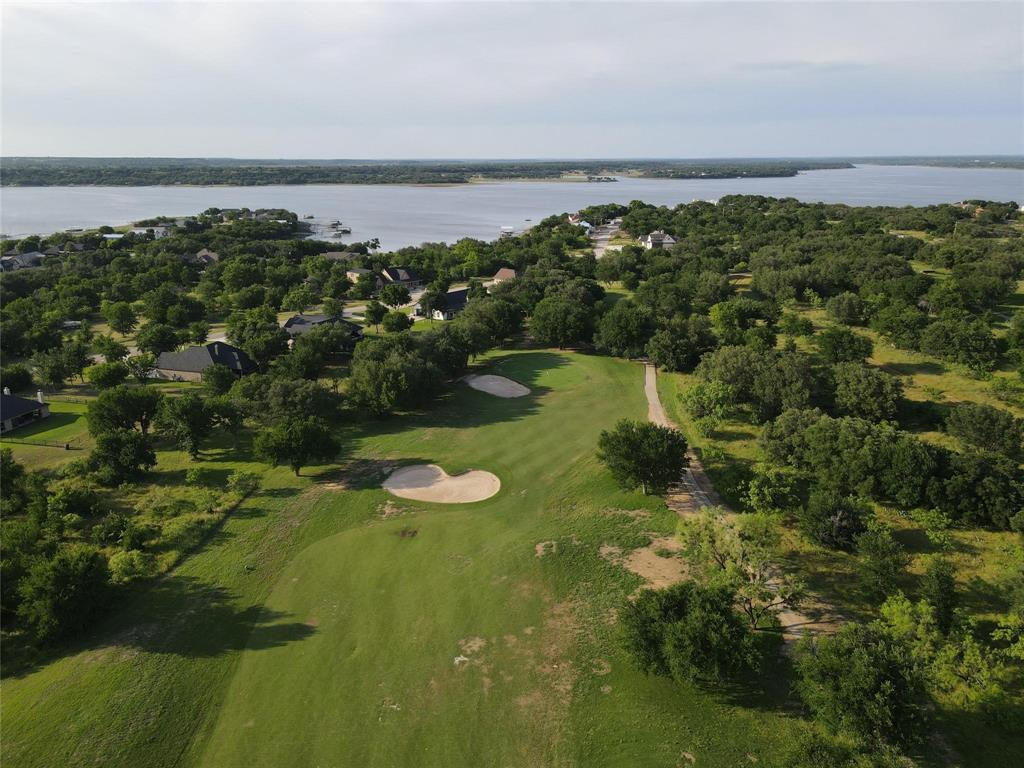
499	386
315	629
428	482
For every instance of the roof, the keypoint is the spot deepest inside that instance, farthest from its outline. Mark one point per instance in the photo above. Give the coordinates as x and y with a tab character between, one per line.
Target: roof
339	255
12	406
296	325
206	255
358	271
660	236
505	274
198	359
457	300
400	275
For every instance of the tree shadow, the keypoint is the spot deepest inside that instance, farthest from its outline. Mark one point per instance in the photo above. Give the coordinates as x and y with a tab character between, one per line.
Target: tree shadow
175	616
925	367
769	688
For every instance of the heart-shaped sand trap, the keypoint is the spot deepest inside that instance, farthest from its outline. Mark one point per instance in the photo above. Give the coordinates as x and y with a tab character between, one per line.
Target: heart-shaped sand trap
428	482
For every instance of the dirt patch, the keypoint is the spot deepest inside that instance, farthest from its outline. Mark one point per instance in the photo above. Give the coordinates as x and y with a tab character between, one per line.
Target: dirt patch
498	386
545	548
658	563
471	645
600	667
428	482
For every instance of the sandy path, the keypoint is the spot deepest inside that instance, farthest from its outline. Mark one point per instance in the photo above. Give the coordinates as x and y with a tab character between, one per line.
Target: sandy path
428	482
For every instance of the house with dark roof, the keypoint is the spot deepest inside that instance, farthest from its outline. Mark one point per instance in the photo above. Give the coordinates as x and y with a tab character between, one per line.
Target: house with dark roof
401	276
300	324
18	261
189	364
18	411
206	257
455	302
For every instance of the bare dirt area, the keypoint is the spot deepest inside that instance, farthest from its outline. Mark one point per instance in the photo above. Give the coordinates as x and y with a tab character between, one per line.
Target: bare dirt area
658	563
428	482
499	386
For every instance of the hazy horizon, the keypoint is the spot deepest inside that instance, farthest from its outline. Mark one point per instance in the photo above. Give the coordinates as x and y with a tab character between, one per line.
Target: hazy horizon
512	80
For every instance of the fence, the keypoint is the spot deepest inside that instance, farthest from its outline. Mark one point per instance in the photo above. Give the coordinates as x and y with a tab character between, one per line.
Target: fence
68	446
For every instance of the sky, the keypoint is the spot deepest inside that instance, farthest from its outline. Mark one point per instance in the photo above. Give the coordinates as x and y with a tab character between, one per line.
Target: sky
511	80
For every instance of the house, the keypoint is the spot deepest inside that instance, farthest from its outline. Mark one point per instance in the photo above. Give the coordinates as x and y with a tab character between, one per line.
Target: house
658	239
354	273
156	232
297	325
18	411
17	261
456	302
577	221
189	364
206	257
503	275
341	256
401	276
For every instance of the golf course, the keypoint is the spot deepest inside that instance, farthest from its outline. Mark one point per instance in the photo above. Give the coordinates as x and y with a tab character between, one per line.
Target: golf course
331	623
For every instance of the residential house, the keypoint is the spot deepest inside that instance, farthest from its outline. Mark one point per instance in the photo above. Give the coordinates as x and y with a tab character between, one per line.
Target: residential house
205	257
18	411
14	262
456	302
401	276
157	232
503	275
341	256
300	324
354	273
657	240
189	364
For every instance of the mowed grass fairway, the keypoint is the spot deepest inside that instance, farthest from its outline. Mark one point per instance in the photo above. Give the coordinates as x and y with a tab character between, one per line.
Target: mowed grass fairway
330	624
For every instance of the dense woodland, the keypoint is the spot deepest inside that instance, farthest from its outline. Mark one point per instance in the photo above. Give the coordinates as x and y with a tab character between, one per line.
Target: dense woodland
36	172
840	439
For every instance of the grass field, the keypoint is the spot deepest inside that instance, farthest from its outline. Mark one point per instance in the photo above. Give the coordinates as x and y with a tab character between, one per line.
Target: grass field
324	625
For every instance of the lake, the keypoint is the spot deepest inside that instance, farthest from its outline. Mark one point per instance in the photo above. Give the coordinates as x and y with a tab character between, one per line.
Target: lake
409	214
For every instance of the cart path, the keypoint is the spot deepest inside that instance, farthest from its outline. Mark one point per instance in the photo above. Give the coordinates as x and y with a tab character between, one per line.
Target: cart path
694	492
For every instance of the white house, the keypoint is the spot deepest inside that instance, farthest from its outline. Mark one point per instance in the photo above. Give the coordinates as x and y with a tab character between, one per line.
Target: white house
156	232
658	239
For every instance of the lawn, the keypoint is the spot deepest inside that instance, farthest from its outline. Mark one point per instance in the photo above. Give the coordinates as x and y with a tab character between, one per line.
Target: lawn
328	624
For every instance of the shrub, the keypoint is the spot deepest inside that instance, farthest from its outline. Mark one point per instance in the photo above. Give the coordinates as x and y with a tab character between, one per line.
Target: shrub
127	566
243	483
841	345
834	520
882	560
61	595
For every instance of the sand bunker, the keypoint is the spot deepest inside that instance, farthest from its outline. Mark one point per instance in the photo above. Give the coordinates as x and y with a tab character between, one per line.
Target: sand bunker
498	386
428	482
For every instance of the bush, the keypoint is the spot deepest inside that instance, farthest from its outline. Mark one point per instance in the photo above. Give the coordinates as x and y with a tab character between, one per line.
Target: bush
59	597
938	587
834	520
986	427
866	392
106	375
688	632
841	345
882	560
243	483
864	682
127	566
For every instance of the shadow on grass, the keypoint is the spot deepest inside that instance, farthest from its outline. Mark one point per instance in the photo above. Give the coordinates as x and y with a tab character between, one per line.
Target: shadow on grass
462	407
927	367
769	689
176	616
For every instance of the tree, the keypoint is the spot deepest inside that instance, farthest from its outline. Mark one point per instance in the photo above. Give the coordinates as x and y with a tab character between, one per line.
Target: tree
123	407
61	595
938	588
739	555
374	313
119	316
389	373
394	295
771	490
841	345
197	331
987	427
186	420
708	402
866	392
396	322
688	632
433	300
17	377
256	331
111	349
296	443
834	520
299	297
155	338
365	285
864	682
50	368
559	321
141	367
624	330
106	375
218	379
846	308
882	560
120	454
643	454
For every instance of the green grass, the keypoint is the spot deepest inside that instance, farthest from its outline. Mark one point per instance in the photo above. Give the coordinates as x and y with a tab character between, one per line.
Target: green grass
313	628
65	425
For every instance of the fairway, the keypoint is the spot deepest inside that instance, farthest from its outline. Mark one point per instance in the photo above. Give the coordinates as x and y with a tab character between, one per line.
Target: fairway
337	625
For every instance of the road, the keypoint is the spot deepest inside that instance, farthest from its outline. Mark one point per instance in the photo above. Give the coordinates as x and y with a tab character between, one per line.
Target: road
601	235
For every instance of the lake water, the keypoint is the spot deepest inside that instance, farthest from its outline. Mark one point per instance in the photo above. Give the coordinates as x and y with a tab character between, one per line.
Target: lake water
408	215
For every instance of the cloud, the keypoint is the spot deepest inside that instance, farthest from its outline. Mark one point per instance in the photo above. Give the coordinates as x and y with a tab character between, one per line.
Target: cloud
505	79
